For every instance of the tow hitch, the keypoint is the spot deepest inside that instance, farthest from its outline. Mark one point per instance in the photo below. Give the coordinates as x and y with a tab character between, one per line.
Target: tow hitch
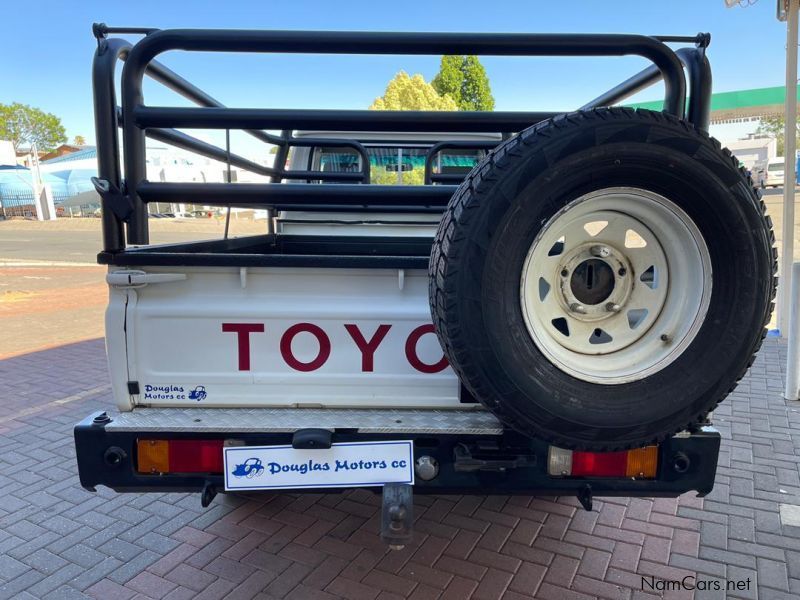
585	497
397	515
208	494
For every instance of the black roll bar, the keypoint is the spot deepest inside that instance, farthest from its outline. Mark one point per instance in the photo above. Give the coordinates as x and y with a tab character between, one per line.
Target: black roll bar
138	120
298	196
137	117
105	124
108	116
188	142
699	71
343	120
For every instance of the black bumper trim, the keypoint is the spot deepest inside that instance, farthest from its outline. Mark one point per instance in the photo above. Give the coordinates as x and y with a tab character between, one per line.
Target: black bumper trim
92	442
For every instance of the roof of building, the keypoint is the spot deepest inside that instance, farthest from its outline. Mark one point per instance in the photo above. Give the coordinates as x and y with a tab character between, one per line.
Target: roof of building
86	152
739	104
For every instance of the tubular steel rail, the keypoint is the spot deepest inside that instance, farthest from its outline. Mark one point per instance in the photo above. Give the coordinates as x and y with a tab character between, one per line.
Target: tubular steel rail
125	200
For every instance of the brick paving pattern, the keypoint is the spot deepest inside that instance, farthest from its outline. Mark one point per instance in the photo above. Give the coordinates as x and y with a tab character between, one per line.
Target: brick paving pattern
59	541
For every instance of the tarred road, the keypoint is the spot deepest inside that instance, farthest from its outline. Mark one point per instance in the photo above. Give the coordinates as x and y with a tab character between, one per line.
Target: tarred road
44	307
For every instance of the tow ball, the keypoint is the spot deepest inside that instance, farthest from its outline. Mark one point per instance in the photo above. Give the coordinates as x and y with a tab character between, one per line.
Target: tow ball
397	515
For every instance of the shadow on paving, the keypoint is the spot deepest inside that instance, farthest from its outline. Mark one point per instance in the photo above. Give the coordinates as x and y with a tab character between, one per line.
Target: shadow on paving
60	541
38	378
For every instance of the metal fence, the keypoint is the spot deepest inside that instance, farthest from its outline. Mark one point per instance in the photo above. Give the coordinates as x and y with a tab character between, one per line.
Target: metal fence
20	202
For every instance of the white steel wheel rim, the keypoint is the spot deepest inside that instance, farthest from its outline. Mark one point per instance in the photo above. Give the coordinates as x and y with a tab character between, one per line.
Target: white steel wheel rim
643	257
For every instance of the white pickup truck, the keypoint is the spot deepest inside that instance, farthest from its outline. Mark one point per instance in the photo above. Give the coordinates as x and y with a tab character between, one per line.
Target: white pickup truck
598	282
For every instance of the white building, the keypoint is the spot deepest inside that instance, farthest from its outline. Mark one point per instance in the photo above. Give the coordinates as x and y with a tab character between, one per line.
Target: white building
754	152
7	155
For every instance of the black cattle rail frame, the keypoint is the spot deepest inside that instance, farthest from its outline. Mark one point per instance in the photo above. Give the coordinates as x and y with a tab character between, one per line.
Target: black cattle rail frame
125	200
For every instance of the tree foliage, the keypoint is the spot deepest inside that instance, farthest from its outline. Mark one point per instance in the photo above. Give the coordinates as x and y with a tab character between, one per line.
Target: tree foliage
79	140
464	79
405	92
25	125
775	127
381	176
450	78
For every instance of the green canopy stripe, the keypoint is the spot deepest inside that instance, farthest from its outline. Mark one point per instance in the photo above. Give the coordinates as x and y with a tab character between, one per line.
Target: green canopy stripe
736	100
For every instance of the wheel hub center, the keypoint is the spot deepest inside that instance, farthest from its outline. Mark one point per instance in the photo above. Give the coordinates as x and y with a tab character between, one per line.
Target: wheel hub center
592	281
595	282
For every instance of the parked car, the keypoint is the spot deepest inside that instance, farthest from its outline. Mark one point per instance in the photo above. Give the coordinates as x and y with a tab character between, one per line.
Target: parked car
758	174
775	176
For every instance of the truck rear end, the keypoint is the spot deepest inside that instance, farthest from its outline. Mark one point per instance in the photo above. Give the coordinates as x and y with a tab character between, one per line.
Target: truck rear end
305	357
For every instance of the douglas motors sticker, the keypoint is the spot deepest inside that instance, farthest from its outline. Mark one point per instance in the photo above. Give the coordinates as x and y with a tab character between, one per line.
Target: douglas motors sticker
174	392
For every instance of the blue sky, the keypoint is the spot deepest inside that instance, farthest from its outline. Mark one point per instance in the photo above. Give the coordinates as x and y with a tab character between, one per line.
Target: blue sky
46	49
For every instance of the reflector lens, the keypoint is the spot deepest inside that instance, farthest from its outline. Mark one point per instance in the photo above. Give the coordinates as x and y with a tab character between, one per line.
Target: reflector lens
153	456
559	462
642	462
179	456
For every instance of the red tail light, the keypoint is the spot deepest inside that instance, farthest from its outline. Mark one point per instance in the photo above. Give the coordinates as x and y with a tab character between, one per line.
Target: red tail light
641	463
599	464
195	456
179	456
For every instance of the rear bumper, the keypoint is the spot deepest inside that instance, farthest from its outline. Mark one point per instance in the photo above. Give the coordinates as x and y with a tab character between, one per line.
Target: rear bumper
475	454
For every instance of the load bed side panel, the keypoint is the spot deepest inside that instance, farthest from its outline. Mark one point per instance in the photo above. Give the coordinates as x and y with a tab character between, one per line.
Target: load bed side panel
278	337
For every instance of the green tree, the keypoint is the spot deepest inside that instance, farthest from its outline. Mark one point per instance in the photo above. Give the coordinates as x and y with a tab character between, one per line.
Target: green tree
26	125
79	140
450	78
464	79
406	92
775	127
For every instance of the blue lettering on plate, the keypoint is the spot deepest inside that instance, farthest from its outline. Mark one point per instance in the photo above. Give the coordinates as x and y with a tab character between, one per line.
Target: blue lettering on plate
343	465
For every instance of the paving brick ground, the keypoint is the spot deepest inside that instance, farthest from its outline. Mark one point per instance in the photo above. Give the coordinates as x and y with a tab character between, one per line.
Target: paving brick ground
59	541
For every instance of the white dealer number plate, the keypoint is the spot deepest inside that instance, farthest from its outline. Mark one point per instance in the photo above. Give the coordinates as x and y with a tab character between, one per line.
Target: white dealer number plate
348	464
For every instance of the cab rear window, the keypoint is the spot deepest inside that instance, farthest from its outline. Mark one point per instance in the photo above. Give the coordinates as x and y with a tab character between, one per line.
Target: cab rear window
392	165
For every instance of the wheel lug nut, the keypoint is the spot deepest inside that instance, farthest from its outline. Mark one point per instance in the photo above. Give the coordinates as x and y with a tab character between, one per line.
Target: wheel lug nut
577	308
600	251
564	272
622	271
613	307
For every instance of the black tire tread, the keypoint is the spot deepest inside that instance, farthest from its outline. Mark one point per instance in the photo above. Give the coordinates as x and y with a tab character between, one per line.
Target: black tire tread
467	198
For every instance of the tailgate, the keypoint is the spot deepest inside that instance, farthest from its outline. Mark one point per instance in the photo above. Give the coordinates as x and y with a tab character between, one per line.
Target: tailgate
261	337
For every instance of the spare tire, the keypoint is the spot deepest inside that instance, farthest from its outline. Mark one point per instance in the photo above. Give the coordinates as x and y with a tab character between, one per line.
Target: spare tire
603	279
